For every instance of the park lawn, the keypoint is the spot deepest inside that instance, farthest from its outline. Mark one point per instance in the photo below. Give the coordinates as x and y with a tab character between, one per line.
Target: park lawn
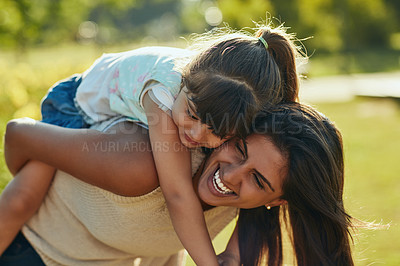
361	61
370	128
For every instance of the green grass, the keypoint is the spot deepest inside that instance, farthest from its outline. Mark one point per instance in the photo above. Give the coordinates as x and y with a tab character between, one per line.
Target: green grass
353	62
370	128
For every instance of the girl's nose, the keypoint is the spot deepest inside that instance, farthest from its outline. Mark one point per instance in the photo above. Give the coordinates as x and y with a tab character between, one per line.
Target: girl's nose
197	131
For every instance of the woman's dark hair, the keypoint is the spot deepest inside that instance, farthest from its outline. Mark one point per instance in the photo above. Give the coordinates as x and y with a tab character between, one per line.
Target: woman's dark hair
242	76
313	189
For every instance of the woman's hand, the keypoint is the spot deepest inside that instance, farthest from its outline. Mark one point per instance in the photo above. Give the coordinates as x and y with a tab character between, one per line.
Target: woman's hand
228	259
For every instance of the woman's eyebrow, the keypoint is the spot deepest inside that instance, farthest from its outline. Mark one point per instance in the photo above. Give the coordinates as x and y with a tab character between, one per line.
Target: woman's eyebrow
245	148
265	180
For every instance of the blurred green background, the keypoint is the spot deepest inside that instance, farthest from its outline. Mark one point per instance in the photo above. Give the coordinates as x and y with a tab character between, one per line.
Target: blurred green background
44	41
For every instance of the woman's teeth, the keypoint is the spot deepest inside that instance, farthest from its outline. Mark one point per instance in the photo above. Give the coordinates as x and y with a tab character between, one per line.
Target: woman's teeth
219	186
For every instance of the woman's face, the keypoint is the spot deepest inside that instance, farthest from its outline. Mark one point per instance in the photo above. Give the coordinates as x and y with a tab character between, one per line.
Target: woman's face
244	176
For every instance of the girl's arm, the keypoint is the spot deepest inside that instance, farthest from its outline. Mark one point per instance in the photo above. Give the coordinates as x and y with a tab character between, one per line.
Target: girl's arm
119	161
173	165
21	198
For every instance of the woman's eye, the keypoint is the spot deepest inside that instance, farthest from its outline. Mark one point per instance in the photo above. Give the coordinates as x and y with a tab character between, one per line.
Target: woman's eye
258	182
240	150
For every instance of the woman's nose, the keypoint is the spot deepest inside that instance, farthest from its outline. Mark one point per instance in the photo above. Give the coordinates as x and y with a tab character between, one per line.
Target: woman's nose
232	173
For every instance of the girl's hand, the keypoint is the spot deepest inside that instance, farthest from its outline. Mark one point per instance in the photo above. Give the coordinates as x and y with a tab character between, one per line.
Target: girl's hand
228	259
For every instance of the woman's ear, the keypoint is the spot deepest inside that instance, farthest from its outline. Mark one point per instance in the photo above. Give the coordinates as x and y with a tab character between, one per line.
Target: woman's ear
275	202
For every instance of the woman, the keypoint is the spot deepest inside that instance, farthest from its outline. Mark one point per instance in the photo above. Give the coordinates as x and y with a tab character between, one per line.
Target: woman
293	159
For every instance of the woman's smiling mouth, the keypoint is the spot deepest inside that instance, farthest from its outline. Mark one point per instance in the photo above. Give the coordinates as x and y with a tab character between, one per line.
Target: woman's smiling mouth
218	185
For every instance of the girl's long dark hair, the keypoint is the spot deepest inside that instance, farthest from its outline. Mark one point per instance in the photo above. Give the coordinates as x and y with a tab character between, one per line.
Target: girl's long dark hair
235	76
313	188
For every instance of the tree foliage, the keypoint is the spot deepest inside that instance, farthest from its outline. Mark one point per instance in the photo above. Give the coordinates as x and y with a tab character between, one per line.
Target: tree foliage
337	25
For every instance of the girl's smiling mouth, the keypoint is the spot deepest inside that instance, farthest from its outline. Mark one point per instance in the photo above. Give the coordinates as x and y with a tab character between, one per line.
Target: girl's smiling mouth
188	139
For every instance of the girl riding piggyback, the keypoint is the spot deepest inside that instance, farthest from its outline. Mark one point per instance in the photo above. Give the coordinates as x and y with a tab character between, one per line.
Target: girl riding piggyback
187	98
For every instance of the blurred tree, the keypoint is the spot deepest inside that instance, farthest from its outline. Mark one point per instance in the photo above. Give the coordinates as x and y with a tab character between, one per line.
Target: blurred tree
136	21
192	16
62	19
370	24
239	13
319	19
19	23
24	22
394	6
338	25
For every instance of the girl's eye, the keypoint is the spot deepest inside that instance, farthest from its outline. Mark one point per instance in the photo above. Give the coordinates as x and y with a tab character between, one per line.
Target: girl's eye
258	182
189	113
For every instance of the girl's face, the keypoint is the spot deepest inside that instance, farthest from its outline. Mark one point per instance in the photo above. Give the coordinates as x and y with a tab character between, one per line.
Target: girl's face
243	176
192	132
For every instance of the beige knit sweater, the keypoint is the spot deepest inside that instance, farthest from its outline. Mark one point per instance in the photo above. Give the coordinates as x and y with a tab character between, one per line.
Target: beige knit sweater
80	224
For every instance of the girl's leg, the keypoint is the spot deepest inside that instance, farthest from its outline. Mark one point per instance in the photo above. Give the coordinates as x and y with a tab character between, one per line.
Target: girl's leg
24	194
21	198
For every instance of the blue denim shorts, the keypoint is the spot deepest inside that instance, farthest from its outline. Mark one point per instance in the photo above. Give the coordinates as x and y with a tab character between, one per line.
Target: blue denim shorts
58	106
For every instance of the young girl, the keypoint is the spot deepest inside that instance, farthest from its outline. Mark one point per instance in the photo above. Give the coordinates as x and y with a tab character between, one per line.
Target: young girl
186	99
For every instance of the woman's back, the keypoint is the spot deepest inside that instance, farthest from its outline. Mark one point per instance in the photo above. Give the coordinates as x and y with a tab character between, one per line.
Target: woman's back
107	227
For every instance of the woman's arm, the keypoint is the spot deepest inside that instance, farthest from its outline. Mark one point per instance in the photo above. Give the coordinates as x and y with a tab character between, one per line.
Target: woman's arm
21	198
173	165
119	160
